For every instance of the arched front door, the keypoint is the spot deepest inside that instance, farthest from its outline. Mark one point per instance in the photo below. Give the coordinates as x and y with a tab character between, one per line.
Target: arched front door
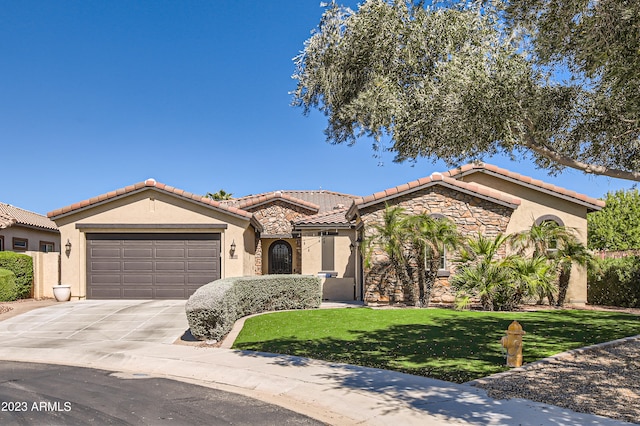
280	258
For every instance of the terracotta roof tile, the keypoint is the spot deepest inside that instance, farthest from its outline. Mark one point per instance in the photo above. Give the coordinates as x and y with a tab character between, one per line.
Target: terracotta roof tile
336	217
11	215
323	199
249	202
149	183
435	179
526	180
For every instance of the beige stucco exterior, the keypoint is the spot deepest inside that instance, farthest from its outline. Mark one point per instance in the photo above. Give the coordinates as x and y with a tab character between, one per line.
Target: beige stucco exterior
343	285
152	211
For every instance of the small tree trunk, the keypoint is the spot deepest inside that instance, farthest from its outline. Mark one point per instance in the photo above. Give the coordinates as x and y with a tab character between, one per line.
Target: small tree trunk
563	284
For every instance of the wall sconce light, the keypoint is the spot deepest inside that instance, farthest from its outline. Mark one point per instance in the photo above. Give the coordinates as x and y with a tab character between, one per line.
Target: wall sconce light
233	247
68	247
351	247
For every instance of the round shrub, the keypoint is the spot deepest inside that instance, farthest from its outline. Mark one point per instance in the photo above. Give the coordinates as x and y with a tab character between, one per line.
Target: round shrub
8	287
215	307
22	266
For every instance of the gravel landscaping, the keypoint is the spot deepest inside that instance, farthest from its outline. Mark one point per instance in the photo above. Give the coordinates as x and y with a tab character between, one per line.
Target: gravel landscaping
604	380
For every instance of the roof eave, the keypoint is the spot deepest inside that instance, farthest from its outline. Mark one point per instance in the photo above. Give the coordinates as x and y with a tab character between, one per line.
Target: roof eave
90	205
588	205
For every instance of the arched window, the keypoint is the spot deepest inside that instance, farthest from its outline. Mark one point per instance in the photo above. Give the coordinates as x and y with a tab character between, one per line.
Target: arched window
550	220
280	258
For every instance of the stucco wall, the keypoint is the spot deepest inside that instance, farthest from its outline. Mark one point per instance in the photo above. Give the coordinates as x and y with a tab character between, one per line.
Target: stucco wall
151	208
344	257
34	236
45	273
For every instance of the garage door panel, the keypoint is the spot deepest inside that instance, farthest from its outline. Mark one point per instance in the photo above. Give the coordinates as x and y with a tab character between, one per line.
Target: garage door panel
165	280
106	279
104	293
148	266
105	252
140	279
137	266
105	266
145	253
137	293
171	266
170	253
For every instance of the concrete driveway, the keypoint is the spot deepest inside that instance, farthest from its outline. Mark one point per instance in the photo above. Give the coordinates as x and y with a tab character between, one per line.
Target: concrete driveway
153	321
135	338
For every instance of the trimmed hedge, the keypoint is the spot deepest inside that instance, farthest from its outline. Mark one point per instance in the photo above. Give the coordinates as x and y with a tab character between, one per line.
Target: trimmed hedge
214	308
8	287
22	266
615	282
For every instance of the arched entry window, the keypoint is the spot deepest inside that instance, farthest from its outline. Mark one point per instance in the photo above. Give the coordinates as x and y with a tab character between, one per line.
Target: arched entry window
280	258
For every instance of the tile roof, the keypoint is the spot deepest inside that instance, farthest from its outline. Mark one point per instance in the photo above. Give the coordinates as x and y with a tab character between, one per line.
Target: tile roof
254	201
323	200
149	184
335	217
435	179
460	172
10	215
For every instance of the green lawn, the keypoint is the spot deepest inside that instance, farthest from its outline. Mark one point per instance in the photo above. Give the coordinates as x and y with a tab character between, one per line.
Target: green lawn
457	346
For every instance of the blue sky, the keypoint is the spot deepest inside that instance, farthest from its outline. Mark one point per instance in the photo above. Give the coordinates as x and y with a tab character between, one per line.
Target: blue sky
98	95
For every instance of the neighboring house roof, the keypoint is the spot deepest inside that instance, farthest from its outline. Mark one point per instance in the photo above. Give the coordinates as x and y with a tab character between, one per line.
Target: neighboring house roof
10	216
153	185
335	218
474	189
536	184
322	200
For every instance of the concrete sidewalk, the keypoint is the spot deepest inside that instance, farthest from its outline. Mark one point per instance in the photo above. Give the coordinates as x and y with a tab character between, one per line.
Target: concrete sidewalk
135	338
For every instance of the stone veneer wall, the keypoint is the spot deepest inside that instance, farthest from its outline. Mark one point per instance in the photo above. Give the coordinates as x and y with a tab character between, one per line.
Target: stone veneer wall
470	214
277	217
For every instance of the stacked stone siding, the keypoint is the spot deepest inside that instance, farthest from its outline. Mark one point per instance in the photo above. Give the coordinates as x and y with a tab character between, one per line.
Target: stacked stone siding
472	215
277	218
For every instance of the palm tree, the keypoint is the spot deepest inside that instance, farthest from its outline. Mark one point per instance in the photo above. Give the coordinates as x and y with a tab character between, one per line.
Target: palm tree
485	275
429	238
220	195
390	236
571	253
560	246
500	283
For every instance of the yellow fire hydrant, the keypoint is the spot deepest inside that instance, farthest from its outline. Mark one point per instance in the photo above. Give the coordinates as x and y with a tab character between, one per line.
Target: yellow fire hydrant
512	342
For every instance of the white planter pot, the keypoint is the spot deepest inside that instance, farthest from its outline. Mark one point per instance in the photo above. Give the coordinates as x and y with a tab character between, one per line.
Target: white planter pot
62	292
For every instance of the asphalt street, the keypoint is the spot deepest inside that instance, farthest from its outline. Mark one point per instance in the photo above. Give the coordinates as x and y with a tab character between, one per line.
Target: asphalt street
39	394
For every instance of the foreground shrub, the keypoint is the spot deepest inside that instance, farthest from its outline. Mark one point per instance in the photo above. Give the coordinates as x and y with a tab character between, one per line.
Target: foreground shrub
22	266
8	287
214	308
615	282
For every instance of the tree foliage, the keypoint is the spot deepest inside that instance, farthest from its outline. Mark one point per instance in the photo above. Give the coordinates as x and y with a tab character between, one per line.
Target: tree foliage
459	81
617	225
220	195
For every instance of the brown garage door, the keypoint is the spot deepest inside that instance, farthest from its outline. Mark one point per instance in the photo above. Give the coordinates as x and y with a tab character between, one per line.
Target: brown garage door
150	266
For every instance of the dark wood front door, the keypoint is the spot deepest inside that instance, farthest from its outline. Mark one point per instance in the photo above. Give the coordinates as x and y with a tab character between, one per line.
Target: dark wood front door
280	258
